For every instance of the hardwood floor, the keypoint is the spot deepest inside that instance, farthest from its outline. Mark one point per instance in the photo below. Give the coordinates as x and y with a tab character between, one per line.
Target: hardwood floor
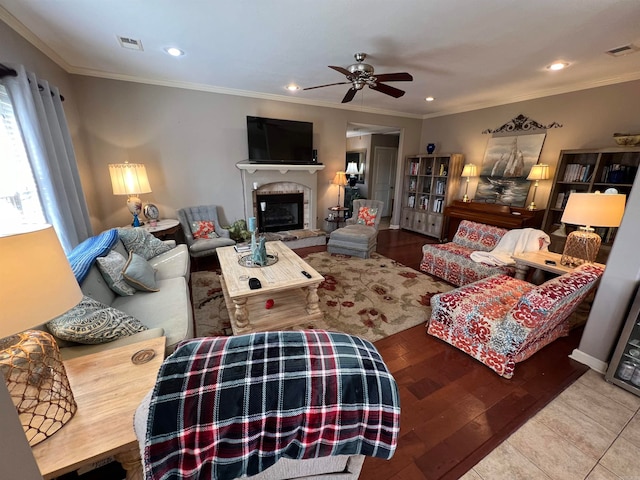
454	409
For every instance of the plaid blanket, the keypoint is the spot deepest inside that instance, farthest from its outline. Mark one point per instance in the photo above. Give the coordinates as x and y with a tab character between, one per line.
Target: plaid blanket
82	257
224	407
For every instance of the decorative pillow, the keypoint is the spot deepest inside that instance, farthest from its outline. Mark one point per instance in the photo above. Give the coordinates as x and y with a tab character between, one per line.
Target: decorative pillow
139	274
111	267
204	229
139	241
367	216
91	322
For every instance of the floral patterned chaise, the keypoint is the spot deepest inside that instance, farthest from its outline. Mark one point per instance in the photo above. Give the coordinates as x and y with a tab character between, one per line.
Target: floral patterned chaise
501	321
451	261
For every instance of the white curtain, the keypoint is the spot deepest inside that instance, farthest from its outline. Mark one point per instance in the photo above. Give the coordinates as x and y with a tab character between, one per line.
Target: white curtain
38	110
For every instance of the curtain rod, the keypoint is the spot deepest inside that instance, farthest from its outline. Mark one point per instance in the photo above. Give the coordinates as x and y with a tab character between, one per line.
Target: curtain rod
7	72
10	72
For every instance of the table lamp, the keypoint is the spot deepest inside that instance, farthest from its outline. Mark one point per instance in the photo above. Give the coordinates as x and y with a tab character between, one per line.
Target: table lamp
468	171
341	180
352	171
592	210
538	172
130	179
38	285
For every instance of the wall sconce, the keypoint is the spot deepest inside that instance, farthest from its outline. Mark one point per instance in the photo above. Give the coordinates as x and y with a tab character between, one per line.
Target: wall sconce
538	172
263	206
255	185
130	179
468	171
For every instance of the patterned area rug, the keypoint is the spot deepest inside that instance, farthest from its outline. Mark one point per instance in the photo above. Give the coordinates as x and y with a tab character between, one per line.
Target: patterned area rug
371	298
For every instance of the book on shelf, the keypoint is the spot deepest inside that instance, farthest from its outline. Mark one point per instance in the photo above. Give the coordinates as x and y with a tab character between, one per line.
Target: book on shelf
560	200
437	205
412	201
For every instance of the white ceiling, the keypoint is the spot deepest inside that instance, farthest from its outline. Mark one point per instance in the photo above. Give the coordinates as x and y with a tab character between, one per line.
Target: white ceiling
468	54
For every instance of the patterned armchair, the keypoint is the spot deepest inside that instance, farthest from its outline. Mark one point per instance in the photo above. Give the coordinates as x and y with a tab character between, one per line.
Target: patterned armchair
501	321
452	261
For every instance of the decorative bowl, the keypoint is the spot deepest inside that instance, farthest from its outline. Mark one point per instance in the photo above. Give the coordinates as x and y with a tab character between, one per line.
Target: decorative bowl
626	139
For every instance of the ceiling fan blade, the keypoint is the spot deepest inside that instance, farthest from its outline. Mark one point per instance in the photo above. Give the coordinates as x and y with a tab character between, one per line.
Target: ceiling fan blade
388	90
349	96
394	77
327	85
343	71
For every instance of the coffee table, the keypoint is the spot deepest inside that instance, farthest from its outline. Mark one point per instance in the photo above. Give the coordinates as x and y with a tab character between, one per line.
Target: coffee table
108	387
295	297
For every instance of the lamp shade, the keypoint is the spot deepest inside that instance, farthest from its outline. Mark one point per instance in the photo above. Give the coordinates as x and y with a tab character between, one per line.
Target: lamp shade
340	179
129	178
594	209
539	172
469	170
352	168
29	259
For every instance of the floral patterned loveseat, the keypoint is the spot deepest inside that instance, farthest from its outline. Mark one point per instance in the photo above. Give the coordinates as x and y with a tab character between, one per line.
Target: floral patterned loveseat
501	321
451	261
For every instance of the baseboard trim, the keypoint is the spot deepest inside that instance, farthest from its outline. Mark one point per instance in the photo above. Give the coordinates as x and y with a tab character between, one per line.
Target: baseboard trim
592	362
394	227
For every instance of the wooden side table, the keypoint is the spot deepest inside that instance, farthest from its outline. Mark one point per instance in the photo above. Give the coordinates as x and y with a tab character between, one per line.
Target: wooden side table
166	229
108	387
538	260
337	215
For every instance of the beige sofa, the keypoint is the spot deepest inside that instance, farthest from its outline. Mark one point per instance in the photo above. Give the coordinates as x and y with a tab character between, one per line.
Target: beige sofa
166	312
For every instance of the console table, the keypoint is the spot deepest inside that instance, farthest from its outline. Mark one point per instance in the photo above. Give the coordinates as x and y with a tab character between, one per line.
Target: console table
503	216
108	387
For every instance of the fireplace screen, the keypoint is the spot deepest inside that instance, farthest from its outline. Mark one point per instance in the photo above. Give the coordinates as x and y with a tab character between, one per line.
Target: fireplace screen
279	212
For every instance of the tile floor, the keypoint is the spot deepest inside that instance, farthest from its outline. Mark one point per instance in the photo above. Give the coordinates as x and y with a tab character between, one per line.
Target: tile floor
590	431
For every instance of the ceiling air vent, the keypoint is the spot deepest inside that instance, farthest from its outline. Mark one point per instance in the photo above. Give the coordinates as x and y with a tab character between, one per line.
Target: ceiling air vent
130	43
624	50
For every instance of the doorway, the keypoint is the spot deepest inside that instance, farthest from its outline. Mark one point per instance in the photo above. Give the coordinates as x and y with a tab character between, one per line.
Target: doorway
379	145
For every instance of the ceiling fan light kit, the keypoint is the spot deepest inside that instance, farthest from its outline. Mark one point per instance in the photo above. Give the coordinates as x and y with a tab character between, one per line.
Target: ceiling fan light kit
360	74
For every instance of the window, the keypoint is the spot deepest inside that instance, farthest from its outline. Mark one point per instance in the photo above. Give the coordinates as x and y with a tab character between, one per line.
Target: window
19	198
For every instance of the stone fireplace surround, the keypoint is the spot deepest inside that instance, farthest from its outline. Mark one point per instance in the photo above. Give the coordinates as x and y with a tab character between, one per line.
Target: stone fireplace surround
278	179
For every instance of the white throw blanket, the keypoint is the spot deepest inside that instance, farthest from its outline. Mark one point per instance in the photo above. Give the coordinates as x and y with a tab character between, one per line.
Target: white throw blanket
514	241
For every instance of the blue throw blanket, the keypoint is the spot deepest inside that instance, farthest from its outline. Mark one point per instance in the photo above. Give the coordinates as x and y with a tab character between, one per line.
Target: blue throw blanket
83	256
224	407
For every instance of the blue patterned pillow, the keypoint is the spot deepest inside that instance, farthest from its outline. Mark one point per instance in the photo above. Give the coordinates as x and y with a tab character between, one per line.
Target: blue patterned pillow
92	322
138	240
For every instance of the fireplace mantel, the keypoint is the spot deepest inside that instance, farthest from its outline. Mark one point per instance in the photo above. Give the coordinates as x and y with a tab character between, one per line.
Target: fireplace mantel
282	168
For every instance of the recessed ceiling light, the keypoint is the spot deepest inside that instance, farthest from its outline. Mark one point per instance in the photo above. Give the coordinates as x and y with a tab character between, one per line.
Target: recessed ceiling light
429	99
557	66
174	52
292	87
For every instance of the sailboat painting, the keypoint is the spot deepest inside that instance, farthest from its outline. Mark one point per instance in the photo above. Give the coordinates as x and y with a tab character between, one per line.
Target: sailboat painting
505	167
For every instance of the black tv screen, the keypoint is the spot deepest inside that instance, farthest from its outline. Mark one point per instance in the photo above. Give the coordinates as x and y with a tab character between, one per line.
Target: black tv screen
279	141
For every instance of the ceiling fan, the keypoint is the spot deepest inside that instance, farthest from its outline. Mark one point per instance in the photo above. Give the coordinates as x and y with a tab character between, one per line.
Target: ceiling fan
361	74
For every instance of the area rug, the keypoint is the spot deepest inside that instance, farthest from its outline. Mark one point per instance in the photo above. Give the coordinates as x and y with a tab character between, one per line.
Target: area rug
371	298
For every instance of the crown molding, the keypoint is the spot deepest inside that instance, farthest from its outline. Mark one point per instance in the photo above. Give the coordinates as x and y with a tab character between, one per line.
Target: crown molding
28	35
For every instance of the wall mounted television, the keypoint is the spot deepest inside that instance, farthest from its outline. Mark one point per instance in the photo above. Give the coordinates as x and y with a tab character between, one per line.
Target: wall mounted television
280	141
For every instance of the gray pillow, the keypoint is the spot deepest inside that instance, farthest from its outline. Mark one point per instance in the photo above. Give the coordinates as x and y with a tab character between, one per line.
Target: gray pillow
92	322
138	240
111	267
139	274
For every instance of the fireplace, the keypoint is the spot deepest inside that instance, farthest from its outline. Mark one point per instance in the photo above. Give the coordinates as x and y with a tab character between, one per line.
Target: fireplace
267	179
279	212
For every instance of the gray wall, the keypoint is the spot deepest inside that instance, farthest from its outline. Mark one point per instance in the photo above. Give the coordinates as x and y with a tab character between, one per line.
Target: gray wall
190	142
